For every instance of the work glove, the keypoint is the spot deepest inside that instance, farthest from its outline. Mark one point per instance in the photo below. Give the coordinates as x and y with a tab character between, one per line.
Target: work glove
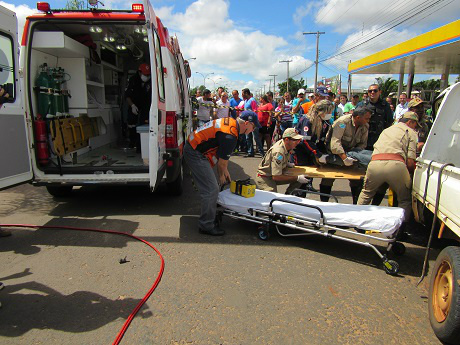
302	179
322	159
349	161
135	109
290	165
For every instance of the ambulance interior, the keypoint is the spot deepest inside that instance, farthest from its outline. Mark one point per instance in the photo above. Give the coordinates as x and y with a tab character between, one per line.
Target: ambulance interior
78	75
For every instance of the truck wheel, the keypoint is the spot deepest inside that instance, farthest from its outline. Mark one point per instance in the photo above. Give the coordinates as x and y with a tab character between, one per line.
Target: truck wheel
59	191
175	187
444	297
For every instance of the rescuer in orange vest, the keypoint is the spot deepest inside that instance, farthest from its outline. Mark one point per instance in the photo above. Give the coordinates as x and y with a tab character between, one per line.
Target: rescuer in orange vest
209	145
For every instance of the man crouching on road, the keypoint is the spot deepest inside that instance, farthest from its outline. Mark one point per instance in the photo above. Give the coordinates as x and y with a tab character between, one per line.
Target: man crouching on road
209	145
270	172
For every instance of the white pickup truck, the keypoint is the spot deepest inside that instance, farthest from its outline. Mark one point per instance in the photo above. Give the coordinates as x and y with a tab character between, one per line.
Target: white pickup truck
436	202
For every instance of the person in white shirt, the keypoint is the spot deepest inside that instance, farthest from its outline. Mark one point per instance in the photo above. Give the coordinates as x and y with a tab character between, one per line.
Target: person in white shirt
205	110
401	108
222	102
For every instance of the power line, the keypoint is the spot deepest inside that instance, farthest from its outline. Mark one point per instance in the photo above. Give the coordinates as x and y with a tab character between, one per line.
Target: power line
372	32
349	8
330	8
411	23
399	23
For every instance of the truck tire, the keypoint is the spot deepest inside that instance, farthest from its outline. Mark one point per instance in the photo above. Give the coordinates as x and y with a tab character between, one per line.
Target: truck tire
59	191
444	296
175	187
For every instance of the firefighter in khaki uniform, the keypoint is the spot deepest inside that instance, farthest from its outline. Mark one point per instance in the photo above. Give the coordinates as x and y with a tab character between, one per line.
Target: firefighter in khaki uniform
347	140
270	172
209	145
393	161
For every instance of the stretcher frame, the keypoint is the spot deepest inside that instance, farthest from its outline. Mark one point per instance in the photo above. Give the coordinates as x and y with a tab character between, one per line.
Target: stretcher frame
310	226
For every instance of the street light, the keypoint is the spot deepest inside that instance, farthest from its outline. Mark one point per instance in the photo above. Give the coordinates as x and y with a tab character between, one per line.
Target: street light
214	81
190	59
204	77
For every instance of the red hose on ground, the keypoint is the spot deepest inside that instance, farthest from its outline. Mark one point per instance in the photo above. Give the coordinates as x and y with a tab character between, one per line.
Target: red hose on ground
122	331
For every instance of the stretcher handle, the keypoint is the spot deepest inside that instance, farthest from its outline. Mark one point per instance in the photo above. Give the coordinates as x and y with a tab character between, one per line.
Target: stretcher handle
298	204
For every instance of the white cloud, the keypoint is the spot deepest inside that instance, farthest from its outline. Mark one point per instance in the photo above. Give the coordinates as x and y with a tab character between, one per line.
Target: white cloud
22	11
206	32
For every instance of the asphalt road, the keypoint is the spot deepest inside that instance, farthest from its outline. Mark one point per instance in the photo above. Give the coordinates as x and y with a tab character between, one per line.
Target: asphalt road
68	287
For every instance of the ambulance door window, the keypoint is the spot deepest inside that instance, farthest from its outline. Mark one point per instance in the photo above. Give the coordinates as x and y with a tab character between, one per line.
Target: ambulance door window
7	81
159	64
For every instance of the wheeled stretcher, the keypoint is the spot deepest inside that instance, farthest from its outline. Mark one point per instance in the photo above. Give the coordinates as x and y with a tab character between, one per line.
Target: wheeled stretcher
358	224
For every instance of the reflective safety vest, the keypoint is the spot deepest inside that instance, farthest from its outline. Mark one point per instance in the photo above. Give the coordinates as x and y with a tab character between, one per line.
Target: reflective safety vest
203	139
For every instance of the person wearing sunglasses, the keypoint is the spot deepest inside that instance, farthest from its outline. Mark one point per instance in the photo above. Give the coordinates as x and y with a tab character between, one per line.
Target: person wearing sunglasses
382	116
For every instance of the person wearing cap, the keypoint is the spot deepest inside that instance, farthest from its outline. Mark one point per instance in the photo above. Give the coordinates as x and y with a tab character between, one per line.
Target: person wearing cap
311	96
393	161
296	104
346	142
210	145
205	109
416	105
382	116
139	98
272	170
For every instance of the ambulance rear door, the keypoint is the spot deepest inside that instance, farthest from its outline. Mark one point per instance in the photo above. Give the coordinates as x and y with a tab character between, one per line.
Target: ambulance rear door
156	136
15	166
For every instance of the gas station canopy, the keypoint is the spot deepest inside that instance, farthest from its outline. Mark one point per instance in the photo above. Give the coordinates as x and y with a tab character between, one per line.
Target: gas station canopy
434	52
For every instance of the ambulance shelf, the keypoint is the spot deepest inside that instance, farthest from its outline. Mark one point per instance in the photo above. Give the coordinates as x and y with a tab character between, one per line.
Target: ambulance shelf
57	44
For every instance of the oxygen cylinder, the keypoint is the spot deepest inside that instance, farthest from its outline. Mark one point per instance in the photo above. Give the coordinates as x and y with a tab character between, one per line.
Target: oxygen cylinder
43	86
57	103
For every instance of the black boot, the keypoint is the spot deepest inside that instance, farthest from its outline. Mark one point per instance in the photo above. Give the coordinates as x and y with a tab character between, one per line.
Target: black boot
324	190
377	199
355	191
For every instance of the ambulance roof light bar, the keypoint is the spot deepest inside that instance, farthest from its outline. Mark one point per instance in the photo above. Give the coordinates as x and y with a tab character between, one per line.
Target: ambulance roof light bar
43	7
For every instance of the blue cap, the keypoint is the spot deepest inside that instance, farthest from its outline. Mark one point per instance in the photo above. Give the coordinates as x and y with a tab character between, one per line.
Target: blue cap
322	91
249	115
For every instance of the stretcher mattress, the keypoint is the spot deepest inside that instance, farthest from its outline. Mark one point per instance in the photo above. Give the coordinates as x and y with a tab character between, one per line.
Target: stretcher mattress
385	220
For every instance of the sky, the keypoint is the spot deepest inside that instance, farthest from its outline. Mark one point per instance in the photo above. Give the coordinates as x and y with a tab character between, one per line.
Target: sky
241	43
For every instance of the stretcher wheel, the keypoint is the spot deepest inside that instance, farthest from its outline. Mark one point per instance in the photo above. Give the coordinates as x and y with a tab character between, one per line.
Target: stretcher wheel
218	219
391	267
264	234
398	248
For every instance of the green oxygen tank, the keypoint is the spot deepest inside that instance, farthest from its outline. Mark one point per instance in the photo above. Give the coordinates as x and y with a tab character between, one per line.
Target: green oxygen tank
65	93
43	87
57	103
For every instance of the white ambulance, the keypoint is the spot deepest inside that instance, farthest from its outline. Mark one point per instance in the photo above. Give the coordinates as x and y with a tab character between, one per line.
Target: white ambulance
65	121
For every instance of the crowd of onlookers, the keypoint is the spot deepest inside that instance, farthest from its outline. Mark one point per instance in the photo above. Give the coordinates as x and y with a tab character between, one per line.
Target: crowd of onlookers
276	115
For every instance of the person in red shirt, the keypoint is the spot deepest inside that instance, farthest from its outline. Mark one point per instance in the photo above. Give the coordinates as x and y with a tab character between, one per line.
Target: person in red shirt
263	114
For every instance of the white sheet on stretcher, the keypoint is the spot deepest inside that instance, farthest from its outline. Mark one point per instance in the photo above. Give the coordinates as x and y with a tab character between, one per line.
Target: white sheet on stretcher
385	220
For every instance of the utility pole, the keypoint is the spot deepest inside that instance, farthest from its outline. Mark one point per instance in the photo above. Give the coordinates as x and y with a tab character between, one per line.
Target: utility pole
269	84
287	79
274	83
317	33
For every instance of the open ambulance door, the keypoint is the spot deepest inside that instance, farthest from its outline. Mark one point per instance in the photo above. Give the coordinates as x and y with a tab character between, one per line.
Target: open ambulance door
15	166
155	147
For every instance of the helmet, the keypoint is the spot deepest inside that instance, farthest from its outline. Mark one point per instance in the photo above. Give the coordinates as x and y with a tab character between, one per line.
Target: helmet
145	69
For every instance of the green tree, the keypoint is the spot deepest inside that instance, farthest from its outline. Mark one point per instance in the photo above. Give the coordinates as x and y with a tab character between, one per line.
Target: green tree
294	85
387	85
194	90
75	5
431	84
